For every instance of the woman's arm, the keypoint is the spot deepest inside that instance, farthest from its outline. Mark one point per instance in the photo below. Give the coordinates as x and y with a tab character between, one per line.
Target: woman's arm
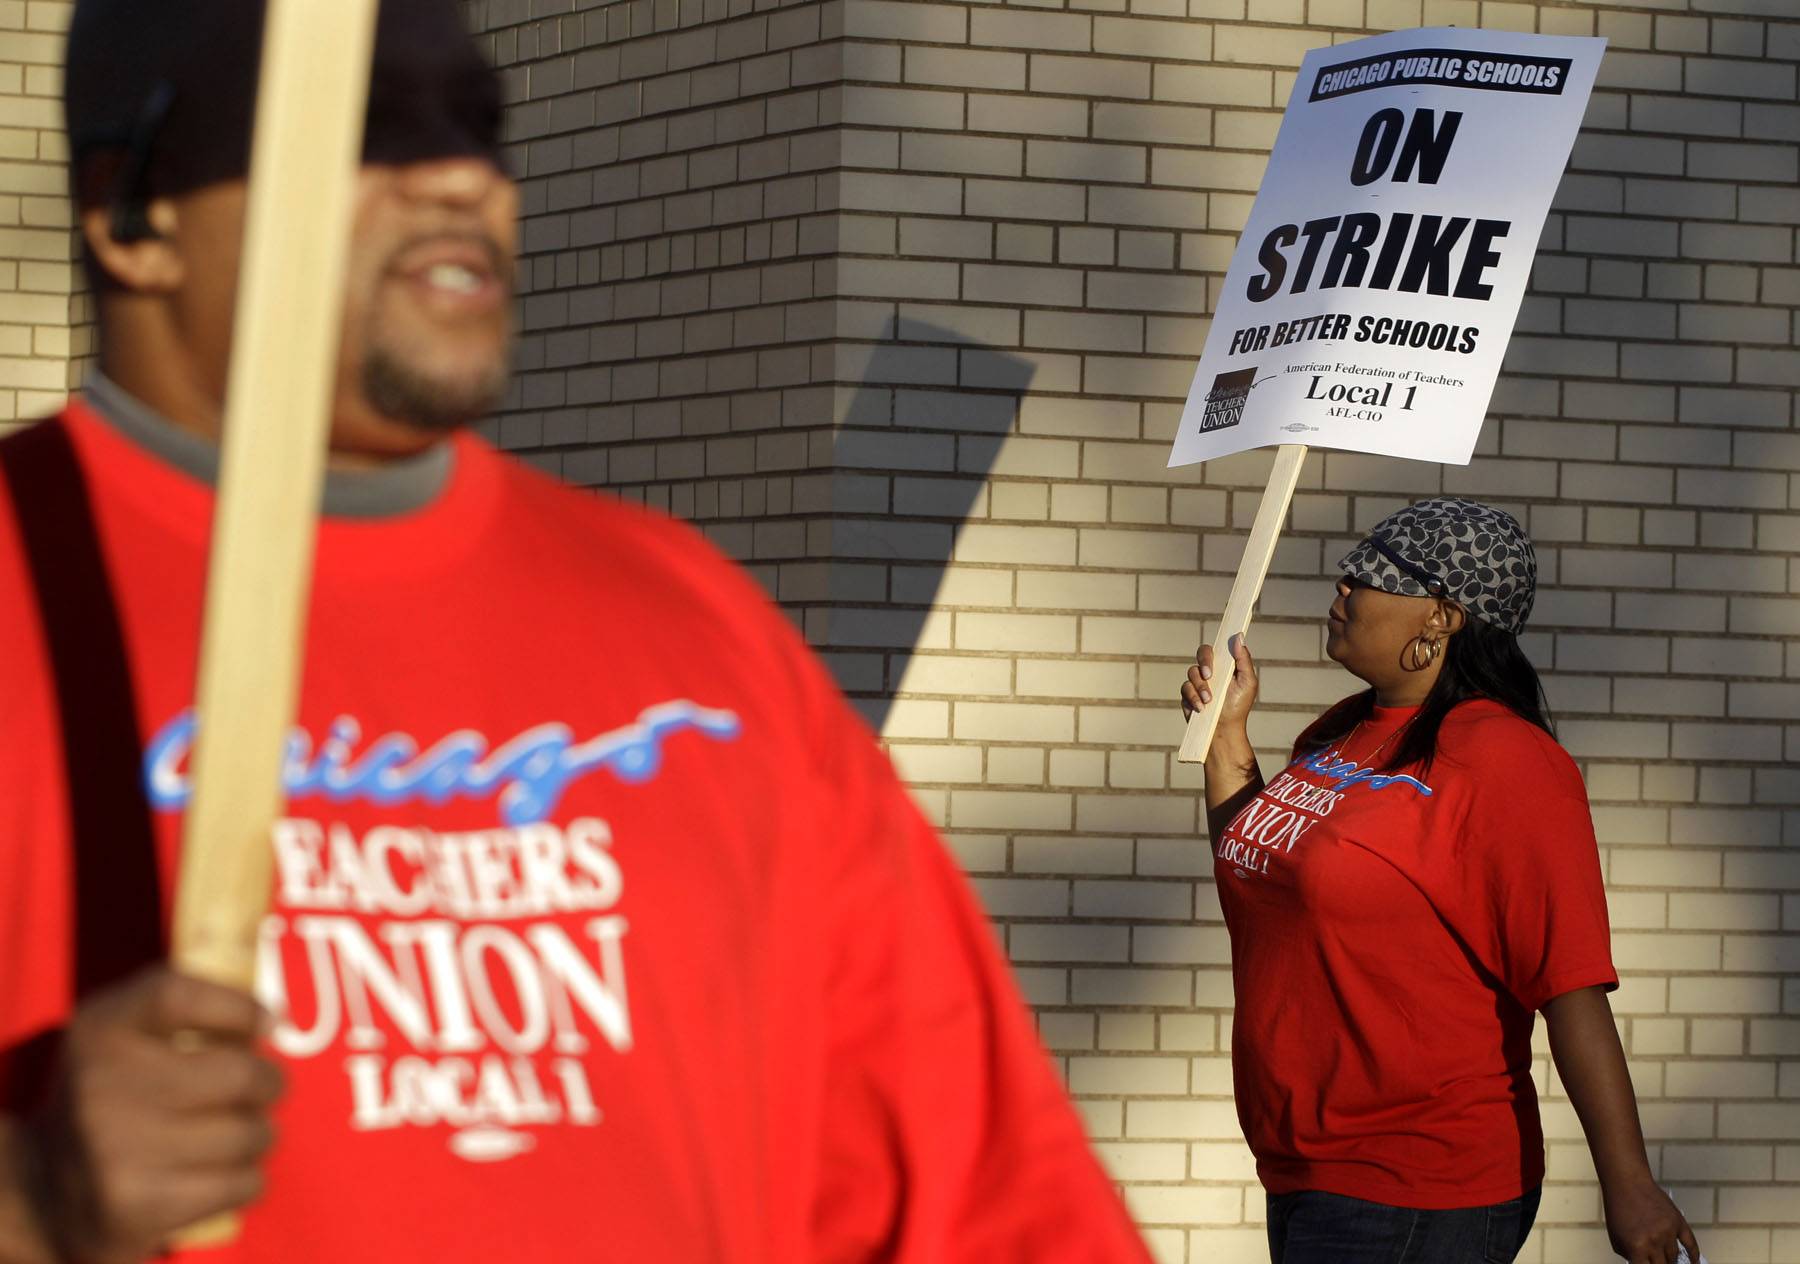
1232	775
1642	1221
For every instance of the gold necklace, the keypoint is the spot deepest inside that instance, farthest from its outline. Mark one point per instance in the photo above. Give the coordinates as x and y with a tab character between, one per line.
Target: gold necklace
1344	745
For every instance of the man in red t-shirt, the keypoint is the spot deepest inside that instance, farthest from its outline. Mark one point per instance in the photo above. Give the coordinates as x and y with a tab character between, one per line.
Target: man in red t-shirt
601	929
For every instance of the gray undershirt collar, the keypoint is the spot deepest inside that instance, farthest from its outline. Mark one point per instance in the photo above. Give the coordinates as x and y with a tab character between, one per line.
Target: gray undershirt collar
398	487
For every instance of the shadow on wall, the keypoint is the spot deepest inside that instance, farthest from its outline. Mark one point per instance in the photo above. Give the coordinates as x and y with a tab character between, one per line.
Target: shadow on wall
913	452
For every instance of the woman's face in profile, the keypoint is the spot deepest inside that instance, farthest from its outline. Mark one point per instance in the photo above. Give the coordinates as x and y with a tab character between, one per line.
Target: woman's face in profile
1368	630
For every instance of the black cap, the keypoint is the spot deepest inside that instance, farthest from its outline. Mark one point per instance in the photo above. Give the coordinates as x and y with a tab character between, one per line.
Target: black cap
172	83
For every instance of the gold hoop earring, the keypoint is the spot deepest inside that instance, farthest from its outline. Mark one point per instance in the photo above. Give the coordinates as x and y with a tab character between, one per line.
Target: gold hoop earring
1423	653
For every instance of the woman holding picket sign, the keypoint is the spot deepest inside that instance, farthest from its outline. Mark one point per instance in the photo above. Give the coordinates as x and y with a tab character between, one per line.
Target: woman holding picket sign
1402	900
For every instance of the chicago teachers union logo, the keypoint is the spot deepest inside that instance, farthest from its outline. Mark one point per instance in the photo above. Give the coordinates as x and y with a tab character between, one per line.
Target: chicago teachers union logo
1225	401
469	980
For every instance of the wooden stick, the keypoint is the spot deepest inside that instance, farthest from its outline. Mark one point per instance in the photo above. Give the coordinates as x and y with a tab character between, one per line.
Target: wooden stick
308	140
1253	569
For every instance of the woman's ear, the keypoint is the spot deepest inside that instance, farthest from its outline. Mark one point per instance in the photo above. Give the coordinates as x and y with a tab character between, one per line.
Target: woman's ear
1447	617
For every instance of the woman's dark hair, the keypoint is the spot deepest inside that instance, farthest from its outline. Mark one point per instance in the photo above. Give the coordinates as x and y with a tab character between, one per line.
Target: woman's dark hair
1480	661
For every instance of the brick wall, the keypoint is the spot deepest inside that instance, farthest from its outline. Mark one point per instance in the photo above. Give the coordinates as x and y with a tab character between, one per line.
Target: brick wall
1016	218
678	160
43	335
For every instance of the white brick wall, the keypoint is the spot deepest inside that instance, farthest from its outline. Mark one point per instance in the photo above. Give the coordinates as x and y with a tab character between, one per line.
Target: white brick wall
44	330
1023	231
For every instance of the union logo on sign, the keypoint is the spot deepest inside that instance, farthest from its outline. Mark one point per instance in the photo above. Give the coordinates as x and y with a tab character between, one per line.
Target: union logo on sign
1225	401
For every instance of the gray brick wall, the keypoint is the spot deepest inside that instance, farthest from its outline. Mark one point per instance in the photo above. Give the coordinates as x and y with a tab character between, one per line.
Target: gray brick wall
680	166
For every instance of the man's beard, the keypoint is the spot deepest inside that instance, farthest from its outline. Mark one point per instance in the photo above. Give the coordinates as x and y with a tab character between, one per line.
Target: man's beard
398	391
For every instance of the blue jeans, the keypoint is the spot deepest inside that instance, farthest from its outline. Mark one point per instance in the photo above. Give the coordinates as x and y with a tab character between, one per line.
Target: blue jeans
1310	1227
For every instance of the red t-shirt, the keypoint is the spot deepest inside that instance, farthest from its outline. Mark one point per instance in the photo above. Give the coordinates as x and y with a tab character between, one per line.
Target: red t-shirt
602	930
1391	940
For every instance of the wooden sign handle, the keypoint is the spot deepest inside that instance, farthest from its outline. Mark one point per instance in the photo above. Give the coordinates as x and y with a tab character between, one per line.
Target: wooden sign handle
306	153
1252	571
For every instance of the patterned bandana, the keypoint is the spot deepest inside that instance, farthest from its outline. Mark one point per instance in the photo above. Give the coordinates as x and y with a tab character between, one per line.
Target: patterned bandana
1477	556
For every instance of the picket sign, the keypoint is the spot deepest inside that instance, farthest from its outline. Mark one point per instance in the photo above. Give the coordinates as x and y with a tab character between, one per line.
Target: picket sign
1373	292
307	144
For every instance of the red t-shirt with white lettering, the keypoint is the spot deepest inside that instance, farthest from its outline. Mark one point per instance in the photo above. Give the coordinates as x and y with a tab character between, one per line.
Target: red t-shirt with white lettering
1392	936
601	929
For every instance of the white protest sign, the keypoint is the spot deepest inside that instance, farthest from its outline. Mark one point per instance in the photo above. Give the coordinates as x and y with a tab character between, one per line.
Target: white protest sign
1374	289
